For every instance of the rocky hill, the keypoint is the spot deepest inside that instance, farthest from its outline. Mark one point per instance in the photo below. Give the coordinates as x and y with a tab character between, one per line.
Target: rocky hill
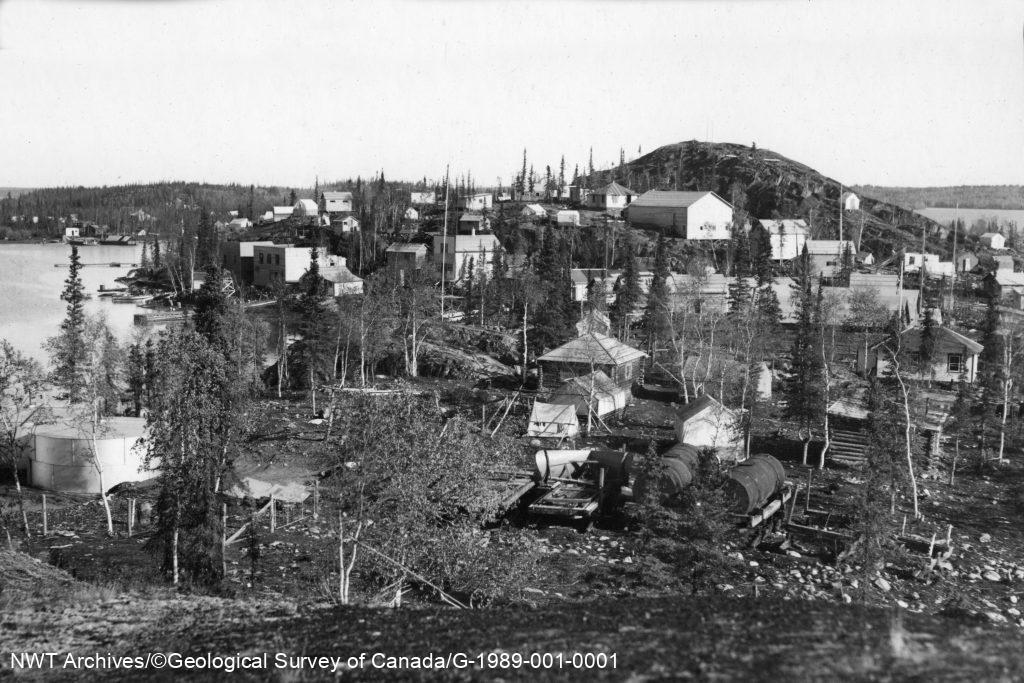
765	184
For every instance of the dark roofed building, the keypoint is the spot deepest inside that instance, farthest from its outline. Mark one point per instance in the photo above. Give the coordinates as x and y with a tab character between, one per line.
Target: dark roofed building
589	352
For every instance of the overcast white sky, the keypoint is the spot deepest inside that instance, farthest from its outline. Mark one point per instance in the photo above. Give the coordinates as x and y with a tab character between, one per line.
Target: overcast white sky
104	92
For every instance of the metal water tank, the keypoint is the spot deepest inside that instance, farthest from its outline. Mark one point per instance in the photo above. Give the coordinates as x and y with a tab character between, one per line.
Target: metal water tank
754	481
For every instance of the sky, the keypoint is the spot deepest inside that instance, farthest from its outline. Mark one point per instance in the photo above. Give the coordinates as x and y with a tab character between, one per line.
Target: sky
281	92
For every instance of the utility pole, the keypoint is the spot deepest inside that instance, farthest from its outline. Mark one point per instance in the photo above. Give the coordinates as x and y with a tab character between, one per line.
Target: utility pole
444	242
841	207
952	281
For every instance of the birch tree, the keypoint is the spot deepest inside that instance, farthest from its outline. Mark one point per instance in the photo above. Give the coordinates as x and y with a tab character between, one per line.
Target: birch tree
21	392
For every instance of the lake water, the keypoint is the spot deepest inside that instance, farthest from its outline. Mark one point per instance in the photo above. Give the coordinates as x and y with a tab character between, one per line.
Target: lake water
31	309
969	216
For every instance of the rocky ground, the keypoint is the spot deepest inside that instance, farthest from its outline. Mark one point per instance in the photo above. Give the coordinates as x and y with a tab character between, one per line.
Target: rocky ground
777	607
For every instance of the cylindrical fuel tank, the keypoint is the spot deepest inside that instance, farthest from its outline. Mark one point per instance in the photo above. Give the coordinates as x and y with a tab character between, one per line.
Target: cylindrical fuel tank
676	475
688	454
753	481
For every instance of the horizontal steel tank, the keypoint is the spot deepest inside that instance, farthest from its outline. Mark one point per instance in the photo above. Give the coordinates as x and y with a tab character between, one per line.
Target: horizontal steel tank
754	481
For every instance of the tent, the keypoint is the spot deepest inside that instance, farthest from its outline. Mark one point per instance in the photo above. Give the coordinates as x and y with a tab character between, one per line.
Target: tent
704	422
607	396
554	420
533	211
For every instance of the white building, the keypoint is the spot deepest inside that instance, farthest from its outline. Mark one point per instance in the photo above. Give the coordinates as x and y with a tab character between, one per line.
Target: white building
346	224
786	237
280	213
457	250
533	211
693	215
706	423
912	262
422	198
336	202
827	256
71	232
993	240
477	202
567	217
285	263
411	214
305	208
611	197
851	202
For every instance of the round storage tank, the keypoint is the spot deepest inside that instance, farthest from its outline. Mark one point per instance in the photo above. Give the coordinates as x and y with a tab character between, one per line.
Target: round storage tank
62	457
754	481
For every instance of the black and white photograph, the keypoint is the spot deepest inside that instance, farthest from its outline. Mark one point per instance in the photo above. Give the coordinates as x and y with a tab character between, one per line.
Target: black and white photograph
512	340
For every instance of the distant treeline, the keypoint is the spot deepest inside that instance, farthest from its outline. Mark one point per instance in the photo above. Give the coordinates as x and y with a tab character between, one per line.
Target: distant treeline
968	196
168	203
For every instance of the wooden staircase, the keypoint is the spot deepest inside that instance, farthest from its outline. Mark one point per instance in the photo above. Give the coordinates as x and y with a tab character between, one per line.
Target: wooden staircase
847	446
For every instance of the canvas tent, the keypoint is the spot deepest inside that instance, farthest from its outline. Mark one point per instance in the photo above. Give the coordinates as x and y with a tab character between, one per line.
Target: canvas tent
553	420
594	391
706	423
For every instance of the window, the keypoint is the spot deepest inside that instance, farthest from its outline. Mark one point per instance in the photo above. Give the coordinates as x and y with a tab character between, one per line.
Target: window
277	259
955	362
261	257
911	260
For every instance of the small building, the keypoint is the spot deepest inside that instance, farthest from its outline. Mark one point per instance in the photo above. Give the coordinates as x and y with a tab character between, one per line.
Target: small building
481	201
284	264
281	213
691	215
1003	284
457	250
406	257
71	232
336	202
62	457
954	357
611	197
913	262
851	202
305	208
706	423
786	236
702	374
533	211
422	198
1004	263
411	214
238	258
567	217
589	352
239	224
966	261
342	281
827	256
865	258
993	240
554	420
579	195
593	394
472	223
345	225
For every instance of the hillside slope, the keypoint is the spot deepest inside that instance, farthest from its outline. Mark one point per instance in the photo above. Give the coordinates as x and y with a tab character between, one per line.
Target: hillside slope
765	184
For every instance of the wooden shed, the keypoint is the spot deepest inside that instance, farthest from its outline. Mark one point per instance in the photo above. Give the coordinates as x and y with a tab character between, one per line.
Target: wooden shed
589	352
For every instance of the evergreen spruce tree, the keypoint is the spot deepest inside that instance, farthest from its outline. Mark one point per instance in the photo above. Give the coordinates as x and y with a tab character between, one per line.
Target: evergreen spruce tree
157	263
313	322
628	293
144	261
67	349
927	345
210	315
803	388
657	317
990	363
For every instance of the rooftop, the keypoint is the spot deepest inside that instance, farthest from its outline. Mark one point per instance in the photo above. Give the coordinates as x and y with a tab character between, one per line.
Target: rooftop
672	198
594	347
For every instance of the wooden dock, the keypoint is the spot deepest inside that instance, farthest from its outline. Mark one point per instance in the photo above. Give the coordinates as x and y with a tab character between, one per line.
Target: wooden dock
168	317
114	264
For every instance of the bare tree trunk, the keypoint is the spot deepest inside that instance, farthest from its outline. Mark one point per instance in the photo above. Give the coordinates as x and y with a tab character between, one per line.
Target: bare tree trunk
907	437
21	502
